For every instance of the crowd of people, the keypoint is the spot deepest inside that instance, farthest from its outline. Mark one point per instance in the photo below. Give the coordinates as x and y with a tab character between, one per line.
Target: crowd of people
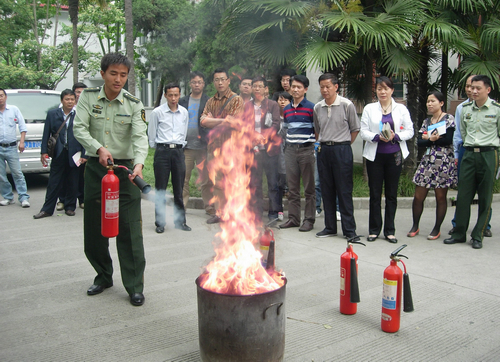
296	139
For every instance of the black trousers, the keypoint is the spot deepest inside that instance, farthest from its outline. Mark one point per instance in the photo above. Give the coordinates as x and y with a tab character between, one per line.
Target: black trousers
169	161
335	165
385	169
62	176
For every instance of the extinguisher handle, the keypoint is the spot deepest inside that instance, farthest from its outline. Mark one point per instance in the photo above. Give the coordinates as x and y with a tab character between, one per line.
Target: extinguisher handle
143	185
396	252
355	240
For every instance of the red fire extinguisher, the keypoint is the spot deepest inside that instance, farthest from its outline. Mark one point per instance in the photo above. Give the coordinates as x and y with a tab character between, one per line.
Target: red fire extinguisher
110	199
349	288
267	245
395	281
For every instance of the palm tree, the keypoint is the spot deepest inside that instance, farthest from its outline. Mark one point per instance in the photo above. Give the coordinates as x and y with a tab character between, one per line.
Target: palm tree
129	44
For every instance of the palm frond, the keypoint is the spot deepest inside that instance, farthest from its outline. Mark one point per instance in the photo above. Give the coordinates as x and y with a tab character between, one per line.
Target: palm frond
490	36
324	54
449	36
354	23
287	7
475	65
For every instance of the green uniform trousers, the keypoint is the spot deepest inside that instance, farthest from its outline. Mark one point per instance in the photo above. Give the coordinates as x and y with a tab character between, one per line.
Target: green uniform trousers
129	242
477	174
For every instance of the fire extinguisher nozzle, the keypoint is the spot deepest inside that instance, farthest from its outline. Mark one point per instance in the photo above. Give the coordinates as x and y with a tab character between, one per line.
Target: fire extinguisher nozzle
354	283
407	298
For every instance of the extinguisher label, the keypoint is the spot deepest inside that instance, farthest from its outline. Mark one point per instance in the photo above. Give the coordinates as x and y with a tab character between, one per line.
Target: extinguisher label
389	294
342	281
112	202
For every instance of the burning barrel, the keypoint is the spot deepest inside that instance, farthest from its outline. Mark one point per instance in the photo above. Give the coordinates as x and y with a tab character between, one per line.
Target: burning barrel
241	327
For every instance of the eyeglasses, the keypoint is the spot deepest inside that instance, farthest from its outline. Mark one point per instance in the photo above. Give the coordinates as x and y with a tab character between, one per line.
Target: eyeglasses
197	83
219	80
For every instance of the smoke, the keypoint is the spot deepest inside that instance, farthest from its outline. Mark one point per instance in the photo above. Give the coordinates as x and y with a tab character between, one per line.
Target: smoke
162	199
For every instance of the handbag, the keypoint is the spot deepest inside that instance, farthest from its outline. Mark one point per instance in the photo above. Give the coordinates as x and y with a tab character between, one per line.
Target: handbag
52	141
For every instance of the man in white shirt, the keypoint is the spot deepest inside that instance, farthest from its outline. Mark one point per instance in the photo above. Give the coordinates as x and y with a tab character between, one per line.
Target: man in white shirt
167	132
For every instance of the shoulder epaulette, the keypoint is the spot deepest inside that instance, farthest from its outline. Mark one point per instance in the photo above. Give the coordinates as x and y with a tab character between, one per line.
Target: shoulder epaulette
93	89
132	98
467	104
495	103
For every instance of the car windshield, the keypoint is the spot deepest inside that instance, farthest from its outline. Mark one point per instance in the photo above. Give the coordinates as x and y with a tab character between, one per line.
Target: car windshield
34	106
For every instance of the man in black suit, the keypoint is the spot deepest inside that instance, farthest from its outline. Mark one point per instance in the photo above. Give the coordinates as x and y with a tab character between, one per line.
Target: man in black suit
195	151
63	169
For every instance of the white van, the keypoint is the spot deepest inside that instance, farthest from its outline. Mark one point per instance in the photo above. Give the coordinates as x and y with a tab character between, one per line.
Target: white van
34	105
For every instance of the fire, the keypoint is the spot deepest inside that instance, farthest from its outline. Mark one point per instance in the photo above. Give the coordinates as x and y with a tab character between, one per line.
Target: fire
236	268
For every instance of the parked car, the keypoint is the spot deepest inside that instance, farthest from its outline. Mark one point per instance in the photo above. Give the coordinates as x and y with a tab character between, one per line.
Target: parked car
34	105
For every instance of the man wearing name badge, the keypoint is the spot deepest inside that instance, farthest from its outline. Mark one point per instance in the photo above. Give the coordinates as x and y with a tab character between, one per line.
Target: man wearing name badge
168	126
480	129
337	125
195	151
299	155
9	116
110	123
63	168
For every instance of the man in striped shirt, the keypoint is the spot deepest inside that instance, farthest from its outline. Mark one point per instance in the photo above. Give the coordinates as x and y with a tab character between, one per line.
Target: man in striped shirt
299	154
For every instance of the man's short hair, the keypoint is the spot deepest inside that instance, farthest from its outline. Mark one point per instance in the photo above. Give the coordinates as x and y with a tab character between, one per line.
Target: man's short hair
195	74
285	95
172	85
259	79
114	58
4	92
67	92
78	85
482	78
287	71
301	79
249	77
220	70
330	76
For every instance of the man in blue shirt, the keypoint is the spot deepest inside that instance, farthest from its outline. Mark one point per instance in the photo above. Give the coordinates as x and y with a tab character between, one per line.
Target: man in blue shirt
299	154
9	116
168	126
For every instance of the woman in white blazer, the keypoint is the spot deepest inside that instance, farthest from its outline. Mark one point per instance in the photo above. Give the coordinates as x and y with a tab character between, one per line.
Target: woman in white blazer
384	155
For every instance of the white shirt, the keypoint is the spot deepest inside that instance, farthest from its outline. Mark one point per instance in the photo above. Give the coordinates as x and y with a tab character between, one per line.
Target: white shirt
166	126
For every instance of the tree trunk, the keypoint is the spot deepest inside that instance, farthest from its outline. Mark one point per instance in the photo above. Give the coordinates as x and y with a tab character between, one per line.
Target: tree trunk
444	77
129	44
56	23
73	15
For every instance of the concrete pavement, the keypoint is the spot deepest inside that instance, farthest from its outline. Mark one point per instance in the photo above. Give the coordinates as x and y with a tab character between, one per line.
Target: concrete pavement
46	315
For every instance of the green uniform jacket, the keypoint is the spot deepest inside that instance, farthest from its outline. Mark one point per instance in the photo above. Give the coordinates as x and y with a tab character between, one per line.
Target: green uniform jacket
115	125
480	127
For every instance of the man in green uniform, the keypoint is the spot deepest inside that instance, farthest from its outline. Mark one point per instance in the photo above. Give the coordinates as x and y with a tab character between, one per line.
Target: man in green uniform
480	127
111	124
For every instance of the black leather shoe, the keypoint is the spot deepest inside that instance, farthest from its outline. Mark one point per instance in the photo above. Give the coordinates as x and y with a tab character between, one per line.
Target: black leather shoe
288	224
452	241
70	212
371	238
160	229
391	240
487	233
477	244
97	289
452	230
214	220
183	227
325	233
41	215
306	226
137	299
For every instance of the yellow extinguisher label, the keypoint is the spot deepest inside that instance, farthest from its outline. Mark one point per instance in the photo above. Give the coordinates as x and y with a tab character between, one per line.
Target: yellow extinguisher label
389	294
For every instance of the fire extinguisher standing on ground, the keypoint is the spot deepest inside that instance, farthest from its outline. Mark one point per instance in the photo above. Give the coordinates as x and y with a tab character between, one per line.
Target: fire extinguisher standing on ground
395	281
349	289
110	199
267	246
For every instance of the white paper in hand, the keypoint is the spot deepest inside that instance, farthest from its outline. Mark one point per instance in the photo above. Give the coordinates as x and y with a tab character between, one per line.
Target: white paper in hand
76	158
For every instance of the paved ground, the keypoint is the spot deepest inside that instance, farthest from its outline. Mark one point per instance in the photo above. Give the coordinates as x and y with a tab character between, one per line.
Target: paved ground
46	315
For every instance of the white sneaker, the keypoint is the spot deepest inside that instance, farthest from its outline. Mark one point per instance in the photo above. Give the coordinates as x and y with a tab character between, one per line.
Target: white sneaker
59	206
7	202
338	216
25	204
280	216
318	213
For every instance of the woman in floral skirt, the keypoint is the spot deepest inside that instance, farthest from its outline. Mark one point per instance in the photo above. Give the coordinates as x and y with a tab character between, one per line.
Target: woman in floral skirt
437	169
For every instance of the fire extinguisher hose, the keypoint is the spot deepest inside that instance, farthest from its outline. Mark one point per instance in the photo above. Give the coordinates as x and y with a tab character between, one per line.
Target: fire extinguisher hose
407	298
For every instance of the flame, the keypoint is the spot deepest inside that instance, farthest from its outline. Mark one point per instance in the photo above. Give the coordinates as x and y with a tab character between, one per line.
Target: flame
236	268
